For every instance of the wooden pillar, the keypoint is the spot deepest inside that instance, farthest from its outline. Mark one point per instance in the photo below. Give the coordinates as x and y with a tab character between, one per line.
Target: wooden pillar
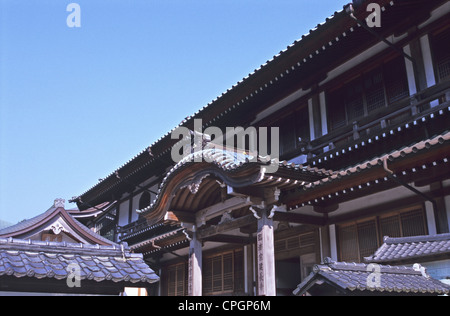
265	256
195	267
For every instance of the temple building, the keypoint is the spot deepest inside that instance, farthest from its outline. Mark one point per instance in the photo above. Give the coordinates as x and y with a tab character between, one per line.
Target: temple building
356	117
54	254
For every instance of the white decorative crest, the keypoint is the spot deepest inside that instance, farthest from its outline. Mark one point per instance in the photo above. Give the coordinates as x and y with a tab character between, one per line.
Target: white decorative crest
57	228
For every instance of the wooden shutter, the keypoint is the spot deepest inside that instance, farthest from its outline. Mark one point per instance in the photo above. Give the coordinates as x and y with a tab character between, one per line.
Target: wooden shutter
358	241
441	49
176	280
223	273
228	272
217	274
348	239
207	273
361	239
390	226
336	110
239	275
396	81
404	224
354	99
288	139
367	239
373	85
302	124
413	223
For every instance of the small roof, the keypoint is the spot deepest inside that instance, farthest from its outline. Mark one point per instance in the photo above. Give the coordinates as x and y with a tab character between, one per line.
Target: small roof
343	278
40	261
222	166
56	217
412	249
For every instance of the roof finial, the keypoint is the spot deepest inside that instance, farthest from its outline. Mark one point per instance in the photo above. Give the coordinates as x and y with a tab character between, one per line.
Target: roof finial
59	203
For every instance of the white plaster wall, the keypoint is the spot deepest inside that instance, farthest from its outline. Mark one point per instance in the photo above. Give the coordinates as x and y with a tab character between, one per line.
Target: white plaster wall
123	213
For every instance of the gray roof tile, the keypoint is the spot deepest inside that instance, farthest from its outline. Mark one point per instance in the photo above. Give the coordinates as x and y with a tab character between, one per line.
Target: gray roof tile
411	248
40	260
352	278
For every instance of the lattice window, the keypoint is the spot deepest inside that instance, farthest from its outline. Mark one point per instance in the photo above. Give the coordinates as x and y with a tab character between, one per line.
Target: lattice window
348	237
396	81
362	238
368	93
292	127
441	50
295	242
177	280
410	223
390	226
223	273
413	223
367	238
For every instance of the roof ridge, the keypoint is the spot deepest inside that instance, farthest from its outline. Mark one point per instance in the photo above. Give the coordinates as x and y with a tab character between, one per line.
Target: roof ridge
28	222
30	245
367	267
414	239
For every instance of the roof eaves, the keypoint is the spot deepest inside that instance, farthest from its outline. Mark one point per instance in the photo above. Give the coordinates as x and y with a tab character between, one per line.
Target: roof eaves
296	43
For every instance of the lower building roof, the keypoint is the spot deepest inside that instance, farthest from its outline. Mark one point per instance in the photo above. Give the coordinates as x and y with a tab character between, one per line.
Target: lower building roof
416	248
31	260
370	279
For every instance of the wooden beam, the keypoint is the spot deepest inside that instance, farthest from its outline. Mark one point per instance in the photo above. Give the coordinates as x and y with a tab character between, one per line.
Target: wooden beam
231	239
230	225
299	218
218	209
389	205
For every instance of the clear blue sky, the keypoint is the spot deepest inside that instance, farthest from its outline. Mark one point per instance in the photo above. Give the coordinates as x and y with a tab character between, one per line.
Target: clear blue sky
77	103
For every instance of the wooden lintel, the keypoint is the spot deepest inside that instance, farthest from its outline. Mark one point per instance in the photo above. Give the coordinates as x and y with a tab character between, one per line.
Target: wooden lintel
226	206
231	239
299	218
326	209
230	225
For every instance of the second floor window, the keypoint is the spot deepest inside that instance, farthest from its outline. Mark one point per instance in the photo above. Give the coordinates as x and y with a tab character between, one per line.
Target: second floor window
293	127
368	93
362	238
441	52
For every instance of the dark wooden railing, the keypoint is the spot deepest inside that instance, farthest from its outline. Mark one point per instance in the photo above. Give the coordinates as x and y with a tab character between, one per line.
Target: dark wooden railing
410	108
131	228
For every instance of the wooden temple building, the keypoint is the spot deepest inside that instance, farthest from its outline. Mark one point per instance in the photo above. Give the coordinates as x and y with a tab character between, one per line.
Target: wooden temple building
363	113
54	254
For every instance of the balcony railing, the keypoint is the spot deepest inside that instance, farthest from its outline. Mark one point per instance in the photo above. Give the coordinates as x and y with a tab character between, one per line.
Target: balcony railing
130	229
408	109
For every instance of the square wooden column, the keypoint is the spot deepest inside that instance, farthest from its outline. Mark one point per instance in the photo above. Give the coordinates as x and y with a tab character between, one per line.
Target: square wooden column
266	256
195	267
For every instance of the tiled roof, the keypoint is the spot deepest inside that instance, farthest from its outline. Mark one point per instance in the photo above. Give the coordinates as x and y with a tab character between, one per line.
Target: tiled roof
411	248
26	227
230	162
277	64
424	145
38	259
330	187
352	278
